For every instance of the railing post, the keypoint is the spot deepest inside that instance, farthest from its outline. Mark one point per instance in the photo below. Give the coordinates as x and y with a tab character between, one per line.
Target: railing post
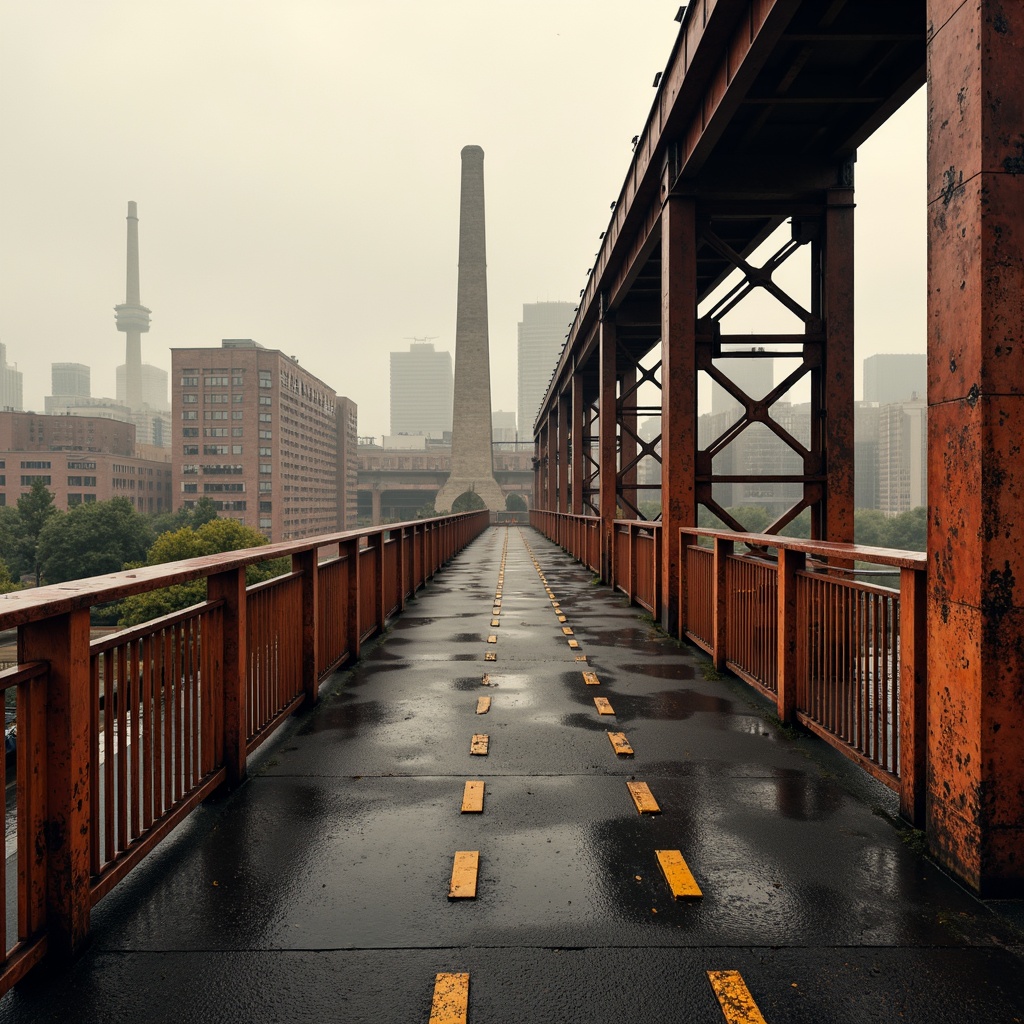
61	851
790	563
913	694
306	563
354	626
723	548
403	575
379	591
634	536
229	587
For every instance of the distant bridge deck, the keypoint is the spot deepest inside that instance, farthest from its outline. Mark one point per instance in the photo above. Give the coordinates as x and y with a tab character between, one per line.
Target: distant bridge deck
319	889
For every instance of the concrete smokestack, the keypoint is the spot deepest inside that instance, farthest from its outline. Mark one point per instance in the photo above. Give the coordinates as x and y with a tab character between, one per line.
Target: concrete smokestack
472	463
132	317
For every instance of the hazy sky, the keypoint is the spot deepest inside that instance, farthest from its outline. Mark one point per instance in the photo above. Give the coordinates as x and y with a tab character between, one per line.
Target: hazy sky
296	165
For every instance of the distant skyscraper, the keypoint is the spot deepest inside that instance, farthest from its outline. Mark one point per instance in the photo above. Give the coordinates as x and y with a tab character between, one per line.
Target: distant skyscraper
421	391
154	386
542	332
892	378
70	380
503	426
132	317
11	384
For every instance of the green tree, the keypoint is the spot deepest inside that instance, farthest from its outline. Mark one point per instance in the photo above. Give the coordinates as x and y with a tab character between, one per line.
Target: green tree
204	511
7	584
909	530
515	503
871	527
9	546
35	507
210	538
468	501
89	540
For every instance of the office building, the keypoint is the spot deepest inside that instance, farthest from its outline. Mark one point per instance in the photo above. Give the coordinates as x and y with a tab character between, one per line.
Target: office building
422	385
70	379
890	378
80	459
259	435
154	386
542	334
11	384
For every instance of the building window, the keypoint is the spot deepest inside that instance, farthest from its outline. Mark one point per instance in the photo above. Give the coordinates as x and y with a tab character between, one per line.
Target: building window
27	481
190	469
216	414
266	467
89	498
190	382
74	499
238	414
215	431
266	506
216	399
35	465
215	449
189	414
266	485
190	449
266	400
189	398
189	488
265	417
238	399
236	449
265	381
265	524
265	453
236	431
236	381
216	382
189	431
266	435
81	465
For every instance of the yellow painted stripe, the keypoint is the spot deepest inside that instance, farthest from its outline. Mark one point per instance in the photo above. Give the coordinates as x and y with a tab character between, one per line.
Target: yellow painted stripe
678	875
473	797
643	798
590	678
479	744
567	631
485	680
483	705
581	657
464	871
555	605
492	639
495	622
603	706
738	1006
574	644
620	744
561	618
451	999
490	656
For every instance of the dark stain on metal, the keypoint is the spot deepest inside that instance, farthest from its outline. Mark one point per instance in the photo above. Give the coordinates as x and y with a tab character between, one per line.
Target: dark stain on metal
973	395
997	602
1015	164
953	185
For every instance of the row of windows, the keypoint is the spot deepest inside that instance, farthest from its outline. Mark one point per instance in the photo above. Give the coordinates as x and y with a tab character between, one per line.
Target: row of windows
81	481
35	465
213	382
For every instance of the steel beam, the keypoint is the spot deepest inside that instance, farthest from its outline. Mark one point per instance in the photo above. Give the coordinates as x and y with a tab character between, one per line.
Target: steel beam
607	432
975	801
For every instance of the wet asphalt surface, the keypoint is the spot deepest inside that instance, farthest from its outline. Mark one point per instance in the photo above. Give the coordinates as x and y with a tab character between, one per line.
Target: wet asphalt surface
318	890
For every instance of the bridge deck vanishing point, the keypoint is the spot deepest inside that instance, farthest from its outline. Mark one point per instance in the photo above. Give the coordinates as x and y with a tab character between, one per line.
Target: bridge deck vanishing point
319	890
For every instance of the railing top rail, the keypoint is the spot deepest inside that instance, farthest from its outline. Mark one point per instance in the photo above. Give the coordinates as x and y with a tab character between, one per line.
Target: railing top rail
644	524
822	548
23	606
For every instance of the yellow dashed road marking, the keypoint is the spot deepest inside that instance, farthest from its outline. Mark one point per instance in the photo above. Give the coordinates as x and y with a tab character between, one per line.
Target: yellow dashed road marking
495	622
678	875
590	678
561	618
492	639
464	871
473	797
620	744
581	657
485	680
738	1006
643	798
574	644
479	744
451	999
603	706
490	656
483	705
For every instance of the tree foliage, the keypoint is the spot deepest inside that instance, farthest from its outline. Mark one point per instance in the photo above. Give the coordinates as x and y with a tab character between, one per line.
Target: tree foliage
212	537
468	501
515	503
34	508
90	540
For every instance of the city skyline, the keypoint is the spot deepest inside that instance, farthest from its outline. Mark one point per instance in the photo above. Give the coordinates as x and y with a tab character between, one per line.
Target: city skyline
244	170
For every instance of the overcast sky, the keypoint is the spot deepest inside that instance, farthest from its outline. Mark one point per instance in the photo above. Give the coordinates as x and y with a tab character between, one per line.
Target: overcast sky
296	165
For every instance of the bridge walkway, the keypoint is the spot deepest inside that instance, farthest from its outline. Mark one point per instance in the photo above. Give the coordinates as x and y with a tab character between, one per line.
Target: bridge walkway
319	890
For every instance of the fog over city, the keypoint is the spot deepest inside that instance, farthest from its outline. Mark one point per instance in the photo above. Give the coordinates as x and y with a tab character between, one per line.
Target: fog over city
296	169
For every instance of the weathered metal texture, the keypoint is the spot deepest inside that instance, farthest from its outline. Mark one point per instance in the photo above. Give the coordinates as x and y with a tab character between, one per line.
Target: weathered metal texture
578	460
563	453
975	438
678	393
552	467
837	368
608	432
65	842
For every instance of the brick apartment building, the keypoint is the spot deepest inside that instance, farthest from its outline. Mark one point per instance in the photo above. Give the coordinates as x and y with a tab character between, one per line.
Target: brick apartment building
80	459
263	438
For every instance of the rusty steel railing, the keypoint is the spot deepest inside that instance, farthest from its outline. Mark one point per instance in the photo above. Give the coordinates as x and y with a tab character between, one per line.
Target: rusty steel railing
636	554
842	657
118	739
580	536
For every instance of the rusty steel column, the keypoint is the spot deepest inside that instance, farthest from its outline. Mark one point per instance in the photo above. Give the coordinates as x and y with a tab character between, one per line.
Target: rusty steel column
542	472
552	483
607	432
837	366
678	395
627	438
579	461
563	453
975	604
